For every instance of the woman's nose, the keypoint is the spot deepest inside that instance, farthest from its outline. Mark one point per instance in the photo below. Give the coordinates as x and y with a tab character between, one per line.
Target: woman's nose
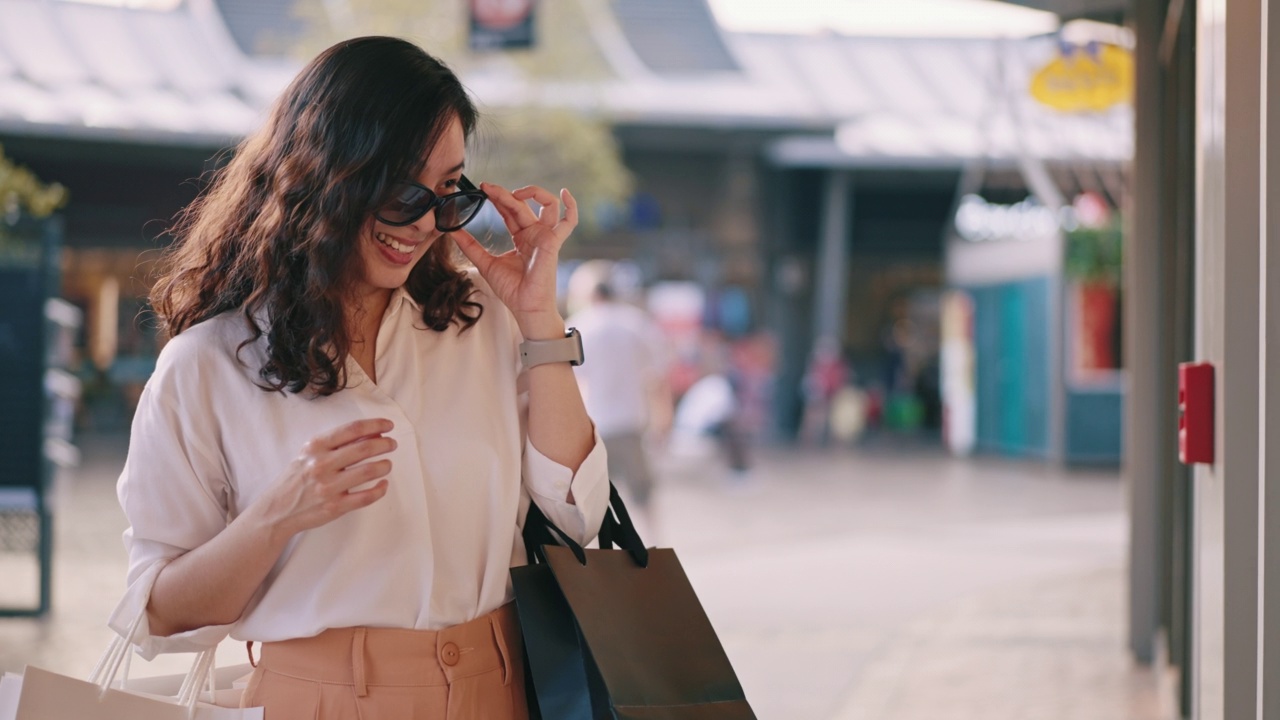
426	223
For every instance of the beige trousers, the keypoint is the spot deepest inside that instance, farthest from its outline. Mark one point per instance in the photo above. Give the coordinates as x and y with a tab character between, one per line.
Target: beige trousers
472	671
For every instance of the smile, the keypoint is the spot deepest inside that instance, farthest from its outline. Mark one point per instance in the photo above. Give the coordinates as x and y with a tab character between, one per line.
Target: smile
393	243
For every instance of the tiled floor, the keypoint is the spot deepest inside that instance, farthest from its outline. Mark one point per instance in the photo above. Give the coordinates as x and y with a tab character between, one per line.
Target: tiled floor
849	586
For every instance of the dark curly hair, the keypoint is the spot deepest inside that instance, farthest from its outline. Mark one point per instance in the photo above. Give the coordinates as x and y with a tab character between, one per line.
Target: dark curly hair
274	233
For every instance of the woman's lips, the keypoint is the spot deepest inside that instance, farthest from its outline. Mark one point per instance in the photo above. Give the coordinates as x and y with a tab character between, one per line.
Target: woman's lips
395	243
396	251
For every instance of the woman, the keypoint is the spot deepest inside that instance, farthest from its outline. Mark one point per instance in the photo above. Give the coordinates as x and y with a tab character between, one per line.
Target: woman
340	442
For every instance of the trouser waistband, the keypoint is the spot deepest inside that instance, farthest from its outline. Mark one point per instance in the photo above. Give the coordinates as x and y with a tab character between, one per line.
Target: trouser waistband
363	656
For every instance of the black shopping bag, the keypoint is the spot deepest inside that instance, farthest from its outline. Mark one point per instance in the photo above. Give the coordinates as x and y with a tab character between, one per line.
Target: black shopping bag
618	634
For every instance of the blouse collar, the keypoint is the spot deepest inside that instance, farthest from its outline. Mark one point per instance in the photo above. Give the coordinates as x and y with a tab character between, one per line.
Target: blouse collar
401	296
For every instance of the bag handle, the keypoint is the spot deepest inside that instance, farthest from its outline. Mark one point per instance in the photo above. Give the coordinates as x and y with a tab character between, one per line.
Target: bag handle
116	658
621	530
616	529
104	673
540	531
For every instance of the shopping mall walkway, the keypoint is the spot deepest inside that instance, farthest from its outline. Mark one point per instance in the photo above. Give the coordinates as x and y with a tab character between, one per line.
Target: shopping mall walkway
874	585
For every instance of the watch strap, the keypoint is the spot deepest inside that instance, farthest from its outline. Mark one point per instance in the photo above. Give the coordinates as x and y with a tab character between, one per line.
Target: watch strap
540	352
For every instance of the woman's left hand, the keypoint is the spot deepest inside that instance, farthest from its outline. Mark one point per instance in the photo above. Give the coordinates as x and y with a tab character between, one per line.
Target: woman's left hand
524	278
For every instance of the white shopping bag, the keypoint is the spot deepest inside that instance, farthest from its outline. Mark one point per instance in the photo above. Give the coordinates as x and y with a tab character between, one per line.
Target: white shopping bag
49	696
228	686
10	689
201	694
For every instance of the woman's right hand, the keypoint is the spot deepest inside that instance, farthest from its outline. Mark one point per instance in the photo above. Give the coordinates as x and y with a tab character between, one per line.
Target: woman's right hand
317	487
213	583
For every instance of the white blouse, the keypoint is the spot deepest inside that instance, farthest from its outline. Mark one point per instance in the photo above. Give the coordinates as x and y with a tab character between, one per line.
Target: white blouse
207	442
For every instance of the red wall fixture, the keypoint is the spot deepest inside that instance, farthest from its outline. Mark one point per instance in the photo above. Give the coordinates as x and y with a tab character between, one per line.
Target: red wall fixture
1195	410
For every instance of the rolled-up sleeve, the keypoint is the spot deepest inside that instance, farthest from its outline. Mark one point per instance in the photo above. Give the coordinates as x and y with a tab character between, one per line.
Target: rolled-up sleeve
550	484
174	493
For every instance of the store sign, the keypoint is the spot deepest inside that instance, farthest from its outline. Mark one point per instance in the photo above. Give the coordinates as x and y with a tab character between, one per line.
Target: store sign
1085	78
980	221
501	24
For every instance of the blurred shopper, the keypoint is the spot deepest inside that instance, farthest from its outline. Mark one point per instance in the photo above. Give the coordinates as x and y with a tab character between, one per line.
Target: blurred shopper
823	378
903	407
711	407
849	409
341	441
714	404
625	385
754	359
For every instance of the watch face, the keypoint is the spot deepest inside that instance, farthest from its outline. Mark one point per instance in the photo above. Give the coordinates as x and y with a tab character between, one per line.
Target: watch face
577	340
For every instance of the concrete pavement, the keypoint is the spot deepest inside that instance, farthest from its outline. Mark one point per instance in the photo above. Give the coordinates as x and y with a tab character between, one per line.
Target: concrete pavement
903	587
845	585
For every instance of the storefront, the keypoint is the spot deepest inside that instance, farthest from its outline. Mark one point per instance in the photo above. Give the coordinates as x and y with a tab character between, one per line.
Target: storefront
1201	252
1032	361
123	197
963	126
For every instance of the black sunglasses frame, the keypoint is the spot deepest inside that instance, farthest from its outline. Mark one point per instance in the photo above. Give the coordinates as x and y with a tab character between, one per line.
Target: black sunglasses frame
468	189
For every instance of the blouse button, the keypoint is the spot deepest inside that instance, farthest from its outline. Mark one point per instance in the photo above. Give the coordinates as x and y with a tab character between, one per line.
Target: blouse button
449	654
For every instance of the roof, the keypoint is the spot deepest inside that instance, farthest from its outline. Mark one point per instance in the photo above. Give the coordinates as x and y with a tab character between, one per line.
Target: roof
179	76
262	27
674	37
1080	8
940	102
99	71
886	18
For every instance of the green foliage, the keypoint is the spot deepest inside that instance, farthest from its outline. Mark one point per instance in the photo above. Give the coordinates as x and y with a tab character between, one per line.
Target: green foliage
530	140
1095	254
22	192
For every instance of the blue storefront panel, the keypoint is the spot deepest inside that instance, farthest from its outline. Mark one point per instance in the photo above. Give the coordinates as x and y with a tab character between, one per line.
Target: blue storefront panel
1011	344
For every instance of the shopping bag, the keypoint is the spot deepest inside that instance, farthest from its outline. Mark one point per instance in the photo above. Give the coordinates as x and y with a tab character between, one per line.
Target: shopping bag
560	680
224	689
51	696
201	694
618	634
10	689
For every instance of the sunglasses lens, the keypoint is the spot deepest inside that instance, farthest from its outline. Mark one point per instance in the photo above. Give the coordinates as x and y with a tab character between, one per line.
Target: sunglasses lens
409	203
457	210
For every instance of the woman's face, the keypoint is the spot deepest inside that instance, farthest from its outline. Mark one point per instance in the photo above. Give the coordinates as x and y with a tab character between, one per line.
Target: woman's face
389	253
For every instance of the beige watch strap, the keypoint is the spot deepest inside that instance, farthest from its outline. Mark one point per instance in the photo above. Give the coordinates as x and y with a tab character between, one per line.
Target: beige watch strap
540	352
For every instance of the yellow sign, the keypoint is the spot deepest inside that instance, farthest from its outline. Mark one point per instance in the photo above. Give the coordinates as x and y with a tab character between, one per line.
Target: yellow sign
1087	78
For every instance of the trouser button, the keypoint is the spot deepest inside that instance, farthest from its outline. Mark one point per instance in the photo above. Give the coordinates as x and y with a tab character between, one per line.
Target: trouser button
449	654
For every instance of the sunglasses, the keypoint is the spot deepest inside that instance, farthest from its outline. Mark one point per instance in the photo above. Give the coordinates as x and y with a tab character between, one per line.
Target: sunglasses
410	201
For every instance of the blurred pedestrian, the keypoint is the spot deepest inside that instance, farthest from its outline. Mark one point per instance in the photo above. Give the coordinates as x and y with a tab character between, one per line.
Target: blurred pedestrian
625	386
823	378
711	407
339	445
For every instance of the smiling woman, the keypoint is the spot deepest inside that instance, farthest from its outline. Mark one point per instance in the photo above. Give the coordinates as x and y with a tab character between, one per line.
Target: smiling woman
340	442
311	178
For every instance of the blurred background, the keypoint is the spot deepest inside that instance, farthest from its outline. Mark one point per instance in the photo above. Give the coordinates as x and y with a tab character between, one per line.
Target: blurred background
880	242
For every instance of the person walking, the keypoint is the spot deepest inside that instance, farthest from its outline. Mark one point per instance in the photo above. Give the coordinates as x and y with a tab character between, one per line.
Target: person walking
625	386
340	442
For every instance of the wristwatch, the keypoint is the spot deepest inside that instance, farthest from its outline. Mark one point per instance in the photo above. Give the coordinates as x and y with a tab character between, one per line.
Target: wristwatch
566	349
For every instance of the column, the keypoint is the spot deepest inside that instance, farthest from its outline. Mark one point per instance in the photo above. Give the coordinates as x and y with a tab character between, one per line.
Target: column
833	257
1141	345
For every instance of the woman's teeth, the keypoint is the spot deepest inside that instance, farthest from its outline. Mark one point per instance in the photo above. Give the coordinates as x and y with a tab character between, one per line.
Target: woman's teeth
393	244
